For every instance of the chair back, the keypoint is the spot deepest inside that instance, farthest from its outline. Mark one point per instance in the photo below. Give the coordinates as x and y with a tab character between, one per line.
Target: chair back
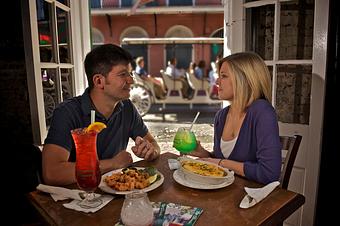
171	83
199	84
290	147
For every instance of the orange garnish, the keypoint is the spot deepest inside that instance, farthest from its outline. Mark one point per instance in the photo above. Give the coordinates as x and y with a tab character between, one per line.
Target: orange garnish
96	127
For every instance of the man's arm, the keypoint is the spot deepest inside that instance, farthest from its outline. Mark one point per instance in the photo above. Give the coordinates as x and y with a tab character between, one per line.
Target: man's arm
57	170
121	160
55	166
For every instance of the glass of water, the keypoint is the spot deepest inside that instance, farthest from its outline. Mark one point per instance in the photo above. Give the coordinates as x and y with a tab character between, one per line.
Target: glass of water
137	209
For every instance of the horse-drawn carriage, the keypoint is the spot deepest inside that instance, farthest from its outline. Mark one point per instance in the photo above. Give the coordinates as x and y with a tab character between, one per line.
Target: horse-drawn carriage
143	93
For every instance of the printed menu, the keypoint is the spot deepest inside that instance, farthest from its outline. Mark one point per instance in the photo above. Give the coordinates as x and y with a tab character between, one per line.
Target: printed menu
173	214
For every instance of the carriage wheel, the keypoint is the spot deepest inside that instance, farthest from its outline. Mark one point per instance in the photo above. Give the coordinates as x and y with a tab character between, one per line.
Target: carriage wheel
141	98
49	104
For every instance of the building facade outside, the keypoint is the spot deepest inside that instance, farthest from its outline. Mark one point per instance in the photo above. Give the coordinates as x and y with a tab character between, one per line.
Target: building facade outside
114	20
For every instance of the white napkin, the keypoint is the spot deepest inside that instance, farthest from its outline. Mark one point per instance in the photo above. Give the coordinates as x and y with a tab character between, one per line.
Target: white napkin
59	193
74	204
174	164
255	195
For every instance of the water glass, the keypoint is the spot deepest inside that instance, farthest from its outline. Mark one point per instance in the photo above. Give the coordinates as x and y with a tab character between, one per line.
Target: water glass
137	210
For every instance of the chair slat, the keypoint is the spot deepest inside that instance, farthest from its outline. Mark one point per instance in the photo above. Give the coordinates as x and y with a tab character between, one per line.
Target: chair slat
291	145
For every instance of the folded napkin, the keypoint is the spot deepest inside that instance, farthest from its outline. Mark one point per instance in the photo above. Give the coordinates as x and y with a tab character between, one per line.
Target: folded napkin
255	195
174	164
74	204
59	193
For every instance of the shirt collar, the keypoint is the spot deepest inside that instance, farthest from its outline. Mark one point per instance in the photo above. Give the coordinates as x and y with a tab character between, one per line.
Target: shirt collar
87	106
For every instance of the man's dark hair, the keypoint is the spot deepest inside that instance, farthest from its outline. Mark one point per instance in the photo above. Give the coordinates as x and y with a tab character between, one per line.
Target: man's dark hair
102	58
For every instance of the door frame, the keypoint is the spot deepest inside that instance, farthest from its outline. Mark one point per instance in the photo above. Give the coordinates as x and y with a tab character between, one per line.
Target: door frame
81	45
311	142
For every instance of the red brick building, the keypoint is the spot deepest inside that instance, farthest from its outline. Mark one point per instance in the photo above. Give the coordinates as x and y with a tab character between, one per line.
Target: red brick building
114	20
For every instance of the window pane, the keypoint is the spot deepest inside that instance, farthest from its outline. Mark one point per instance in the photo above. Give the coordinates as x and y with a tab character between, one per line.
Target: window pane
63	36
293	93
260	30
49	91
296	30
270	68
137	51
66	82
95	4
126	3
44	10
180	2
182	53
65	2
216	49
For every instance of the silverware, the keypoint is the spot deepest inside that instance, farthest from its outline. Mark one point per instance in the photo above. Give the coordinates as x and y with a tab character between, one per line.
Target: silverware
247	202
82	194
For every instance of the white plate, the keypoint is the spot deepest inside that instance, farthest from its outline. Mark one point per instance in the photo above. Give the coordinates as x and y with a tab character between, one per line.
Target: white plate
104	187
180	178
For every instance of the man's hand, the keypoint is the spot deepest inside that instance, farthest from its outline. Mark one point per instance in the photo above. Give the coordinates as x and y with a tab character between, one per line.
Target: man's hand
122	159
144	149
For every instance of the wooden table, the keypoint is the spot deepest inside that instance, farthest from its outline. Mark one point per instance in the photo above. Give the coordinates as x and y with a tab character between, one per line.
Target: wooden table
220	206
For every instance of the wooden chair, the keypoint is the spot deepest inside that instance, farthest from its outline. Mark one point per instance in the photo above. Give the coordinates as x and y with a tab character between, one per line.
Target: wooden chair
290	147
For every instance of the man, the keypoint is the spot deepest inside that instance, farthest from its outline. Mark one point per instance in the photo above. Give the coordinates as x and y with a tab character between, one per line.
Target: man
108	73
160	90
179	75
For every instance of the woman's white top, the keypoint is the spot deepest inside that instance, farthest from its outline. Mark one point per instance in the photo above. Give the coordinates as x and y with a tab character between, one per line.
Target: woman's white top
227	146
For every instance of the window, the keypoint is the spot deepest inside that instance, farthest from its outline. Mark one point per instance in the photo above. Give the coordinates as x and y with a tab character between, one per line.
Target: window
55	49
136	50
287	48
180	2
182	52
216	49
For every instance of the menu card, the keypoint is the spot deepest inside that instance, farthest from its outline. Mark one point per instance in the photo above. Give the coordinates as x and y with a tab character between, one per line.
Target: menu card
172	214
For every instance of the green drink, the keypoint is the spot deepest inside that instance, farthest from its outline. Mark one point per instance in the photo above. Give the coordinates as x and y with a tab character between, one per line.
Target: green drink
185	140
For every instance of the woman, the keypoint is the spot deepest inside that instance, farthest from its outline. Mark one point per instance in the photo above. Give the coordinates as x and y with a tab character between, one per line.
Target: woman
246	134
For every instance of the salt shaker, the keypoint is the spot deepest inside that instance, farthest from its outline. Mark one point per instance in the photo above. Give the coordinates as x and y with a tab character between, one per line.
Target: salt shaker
137	210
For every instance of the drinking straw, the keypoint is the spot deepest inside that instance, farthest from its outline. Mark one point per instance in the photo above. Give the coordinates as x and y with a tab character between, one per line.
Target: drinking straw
198	113
93	113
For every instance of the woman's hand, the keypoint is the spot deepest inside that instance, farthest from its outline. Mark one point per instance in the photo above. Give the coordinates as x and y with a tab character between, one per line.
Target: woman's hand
200	151
212	160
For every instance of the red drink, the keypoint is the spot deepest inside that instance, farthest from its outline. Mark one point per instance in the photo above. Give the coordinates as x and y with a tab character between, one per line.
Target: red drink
87	164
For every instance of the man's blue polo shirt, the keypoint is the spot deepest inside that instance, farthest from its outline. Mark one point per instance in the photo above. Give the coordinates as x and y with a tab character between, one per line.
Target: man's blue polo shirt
125	122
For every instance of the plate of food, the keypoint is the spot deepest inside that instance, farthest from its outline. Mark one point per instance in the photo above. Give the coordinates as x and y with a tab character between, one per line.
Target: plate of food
202	175
204	172
180	178
126	180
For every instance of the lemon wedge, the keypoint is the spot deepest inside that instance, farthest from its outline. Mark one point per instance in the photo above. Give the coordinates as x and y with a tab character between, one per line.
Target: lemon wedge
152	179
96	127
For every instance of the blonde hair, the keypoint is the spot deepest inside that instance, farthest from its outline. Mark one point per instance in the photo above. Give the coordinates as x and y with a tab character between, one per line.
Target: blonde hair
251	78
139	60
